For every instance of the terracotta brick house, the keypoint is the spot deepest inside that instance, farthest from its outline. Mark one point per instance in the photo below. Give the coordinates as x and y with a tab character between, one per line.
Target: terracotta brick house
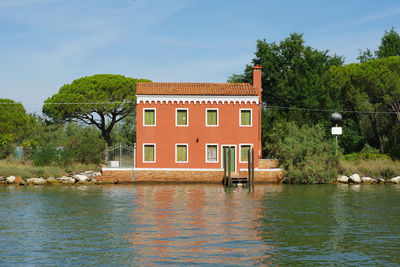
182	128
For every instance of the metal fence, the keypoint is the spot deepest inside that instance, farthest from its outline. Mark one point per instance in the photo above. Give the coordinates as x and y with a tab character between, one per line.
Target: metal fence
121	156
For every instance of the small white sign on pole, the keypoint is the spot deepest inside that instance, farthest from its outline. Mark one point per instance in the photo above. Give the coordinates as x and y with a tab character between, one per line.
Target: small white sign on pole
114	164
336	130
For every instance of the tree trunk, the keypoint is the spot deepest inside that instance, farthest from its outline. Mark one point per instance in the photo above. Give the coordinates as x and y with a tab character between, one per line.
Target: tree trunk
374	124
395	106
107	137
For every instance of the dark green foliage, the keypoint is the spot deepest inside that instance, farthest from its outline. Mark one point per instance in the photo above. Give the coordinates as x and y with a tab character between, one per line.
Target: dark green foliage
295	76
125	132
13	122
367	153
304	153
6	145
84	144
45	155
67	144
390	46
374	87
366	156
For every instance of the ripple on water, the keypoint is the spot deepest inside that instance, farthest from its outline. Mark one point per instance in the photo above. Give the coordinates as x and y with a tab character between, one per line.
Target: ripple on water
200	224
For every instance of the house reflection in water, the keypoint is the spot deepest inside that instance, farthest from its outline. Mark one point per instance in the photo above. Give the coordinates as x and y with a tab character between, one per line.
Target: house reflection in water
198	224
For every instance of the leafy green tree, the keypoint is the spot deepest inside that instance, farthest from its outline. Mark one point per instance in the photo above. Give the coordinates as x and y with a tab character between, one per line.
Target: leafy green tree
374	87
297	76
390	46
13	121
111	98
305	153
125	132
64	144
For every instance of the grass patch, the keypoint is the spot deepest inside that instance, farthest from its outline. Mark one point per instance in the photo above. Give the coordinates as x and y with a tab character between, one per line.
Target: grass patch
378	168
16	168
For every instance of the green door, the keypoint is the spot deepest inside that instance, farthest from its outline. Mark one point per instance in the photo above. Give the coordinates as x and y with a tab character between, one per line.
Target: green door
233	156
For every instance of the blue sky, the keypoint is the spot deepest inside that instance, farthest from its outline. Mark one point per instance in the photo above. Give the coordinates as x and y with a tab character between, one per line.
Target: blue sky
47	43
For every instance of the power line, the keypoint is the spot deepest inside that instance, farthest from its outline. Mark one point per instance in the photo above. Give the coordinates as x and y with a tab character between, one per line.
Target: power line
268	107
70	103
333	110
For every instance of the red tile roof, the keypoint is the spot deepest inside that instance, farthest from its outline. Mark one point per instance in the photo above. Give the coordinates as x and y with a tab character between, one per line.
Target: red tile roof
239	89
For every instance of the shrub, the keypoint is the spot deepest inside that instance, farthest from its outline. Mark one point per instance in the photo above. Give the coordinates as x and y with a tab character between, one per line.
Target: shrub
367	153
6	145
18	168
45	155
376	168
304	153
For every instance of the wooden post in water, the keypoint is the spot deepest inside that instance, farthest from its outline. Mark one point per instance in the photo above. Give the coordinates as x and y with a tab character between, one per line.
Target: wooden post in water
248	167
252	167
229	166
224	181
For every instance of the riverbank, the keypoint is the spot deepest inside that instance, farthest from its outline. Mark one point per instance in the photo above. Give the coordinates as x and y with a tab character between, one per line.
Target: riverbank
27	170
378	168
14	172
88	177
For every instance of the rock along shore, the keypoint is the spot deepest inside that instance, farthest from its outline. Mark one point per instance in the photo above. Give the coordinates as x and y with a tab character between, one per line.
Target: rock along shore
356	179
88	177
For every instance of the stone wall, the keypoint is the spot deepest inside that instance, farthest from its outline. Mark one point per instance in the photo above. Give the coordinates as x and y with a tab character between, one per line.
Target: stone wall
270	177
183	176
179	176
116	176
268	163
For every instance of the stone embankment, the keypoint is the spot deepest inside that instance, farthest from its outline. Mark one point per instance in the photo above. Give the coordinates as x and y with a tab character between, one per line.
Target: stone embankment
88	177
356	179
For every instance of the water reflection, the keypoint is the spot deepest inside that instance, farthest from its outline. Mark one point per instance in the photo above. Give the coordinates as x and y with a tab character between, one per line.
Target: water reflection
198	224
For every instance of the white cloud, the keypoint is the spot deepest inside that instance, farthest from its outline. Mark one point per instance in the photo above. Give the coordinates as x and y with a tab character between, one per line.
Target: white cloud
392	12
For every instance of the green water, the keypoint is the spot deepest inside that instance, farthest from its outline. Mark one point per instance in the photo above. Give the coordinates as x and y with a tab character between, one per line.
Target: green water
200	224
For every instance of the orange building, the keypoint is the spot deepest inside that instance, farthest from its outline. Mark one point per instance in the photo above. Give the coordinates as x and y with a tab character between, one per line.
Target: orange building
182	128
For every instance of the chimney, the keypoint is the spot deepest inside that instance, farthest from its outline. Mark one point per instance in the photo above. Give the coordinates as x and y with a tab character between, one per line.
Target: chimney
257	78
257	84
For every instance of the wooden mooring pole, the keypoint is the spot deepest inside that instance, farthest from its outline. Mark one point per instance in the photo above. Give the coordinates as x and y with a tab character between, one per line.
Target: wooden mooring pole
250	170
229	166
248	167
224	181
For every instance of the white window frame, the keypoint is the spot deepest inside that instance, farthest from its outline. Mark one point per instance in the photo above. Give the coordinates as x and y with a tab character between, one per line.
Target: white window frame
207	109
155	154
187	153
210	144
240	117
176	117
240	152
221	153
155	117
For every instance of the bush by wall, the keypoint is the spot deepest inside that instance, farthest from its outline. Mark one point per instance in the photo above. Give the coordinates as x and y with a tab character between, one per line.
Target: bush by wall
305	153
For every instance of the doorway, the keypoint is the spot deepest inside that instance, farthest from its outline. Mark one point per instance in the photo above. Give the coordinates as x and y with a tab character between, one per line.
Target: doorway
224	152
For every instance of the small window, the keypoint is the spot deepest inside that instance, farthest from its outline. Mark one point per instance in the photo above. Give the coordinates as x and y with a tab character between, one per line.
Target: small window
181	153
244	153
245	117
149	153
212	117
149	117
181	117
212	152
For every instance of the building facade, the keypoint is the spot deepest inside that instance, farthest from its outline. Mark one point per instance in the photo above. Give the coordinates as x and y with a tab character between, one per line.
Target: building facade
183	128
